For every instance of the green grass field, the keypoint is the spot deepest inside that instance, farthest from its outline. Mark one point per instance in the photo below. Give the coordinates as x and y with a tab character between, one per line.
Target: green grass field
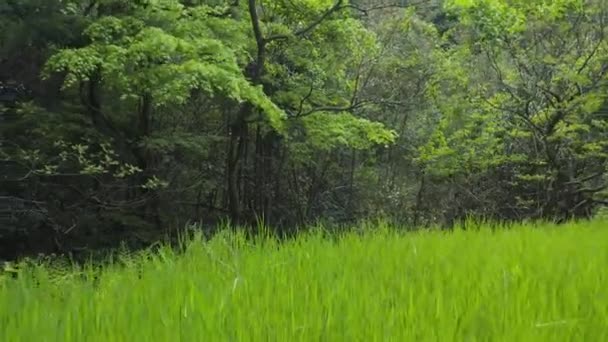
524	284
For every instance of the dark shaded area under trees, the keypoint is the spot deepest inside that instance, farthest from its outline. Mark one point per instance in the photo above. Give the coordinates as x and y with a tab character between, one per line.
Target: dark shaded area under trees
125	121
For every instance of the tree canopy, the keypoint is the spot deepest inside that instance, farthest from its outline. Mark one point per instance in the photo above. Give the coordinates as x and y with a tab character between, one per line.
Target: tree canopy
126	120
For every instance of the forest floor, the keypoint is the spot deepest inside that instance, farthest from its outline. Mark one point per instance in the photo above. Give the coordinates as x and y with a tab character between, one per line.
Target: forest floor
527	283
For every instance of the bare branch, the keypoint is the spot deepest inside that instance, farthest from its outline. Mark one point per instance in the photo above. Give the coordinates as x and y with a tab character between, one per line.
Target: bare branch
332	109
338	6
305	98
366	11
585	179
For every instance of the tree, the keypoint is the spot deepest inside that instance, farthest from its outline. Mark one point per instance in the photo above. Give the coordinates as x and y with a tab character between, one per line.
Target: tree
538	75
126	120
134	137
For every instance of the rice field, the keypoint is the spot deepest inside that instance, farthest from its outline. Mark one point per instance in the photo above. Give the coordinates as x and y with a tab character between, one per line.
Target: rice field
529	283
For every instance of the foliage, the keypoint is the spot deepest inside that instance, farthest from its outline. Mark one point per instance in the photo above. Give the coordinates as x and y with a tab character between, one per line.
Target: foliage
125	120
534	104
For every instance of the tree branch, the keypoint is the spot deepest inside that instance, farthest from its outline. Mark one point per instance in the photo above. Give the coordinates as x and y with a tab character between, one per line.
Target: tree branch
259	39
332	109
338	6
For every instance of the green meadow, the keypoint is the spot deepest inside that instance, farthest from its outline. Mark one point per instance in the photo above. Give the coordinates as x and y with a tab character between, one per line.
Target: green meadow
527	283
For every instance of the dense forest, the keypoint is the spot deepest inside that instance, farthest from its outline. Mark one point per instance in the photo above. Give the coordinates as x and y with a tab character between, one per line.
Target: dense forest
127	120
